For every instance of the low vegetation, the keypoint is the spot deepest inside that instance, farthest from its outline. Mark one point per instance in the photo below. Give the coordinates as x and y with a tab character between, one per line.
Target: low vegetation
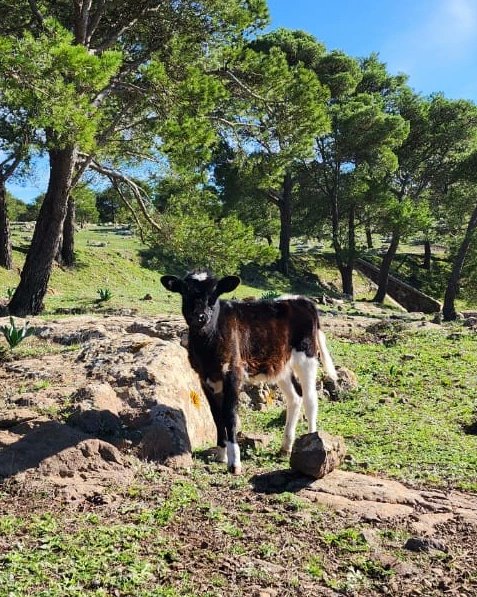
203	533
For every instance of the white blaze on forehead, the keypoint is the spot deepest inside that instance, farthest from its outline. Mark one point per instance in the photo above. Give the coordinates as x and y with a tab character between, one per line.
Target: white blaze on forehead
200	276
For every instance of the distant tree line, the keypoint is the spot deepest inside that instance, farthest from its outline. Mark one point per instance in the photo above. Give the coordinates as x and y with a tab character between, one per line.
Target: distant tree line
255	139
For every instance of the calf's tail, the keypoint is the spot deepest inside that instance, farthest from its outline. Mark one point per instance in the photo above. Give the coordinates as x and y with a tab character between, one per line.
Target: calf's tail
325	357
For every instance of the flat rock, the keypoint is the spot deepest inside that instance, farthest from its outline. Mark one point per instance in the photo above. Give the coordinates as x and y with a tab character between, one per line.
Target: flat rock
11	417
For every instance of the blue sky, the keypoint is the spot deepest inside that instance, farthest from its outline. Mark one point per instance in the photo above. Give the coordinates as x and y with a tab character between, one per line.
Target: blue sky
433	41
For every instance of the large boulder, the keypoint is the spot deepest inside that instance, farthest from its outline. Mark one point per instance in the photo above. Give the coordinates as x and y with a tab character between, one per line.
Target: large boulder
160	393
317	454
97	410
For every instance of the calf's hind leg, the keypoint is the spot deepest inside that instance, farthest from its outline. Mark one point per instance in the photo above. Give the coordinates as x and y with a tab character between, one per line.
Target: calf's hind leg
306	369
288	388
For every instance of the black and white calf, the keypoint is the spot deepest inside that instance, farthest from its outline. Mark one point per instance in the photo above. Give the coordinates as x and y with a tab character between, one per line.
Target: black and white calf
267	340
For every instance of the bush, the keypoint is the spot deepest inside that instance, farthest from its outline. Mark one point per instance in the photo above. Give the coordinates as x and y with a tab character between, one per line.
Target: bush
198	240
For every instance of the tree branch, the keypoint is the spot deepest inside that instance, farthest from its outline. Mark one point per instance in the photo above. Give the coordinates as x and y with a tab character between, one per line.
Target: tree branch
273	196
115	36
116	185
137	191
36	12
94	22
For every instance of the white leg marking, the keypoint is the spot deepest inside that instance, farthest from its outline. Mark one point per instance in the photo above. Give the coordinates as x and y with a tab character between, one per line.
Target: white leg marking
306	369
221	454
293	412
233	457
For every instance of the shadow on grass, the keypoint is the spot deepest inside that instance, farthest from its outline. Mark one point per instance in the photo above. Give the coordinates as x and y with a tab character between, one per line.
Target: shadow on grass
281	481
300	280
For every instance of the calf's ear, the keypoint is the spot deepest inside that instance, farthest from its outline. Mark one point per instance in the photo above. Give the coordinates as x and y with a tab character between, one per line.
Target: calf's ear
172	283
227	284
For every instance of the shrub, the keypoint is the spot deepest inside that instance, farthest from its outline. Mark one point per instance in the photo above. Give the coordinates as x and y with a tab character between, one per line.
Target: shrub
105	294
14	335
198	239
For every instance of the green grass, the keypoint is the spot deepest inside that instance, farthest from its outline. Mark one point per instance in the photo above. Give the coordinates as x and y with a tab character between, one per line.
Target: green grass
118	266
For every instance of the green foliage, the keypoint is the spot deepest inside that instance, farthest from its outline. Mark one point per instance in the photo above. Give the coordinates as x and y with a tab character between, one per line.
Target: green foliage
14	335
290	112
55	81
270	295
105	295
16	208
85	205
223	245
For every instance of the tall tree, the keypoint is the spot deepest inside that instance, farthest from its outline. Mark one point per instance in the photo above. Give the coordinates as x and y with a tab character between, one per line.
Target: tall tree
357	151
281	106
464	205
111	79
14	140
441	134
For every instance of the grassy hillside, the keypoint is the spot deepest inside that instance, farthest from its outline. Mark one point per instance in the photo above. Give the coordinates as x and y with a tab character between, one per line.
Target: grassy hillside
108	259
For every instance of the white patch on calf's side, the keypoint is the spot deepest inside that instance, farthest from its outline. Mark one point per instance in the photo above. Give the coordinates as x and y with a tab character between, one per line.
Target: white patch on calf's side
215	386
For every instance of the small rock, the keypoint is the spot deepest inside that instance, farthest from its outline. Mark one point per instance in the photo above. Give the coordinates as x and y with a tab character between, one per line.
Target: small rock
425	544
316	455
147	297
253	441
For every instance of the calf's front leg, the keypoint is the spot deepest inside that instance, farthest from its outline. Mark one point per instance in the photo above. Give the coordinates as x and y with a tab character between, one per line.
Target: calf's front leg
213	393
230	407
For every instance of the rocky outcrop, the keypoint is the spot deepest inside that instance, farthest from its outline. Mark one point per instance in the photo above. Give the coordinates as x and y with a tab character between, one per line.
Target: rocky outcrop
130	387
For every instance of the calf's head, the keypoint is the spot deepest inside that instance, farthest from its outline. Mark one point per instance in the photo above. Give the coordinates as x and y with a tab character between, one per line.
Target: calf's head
200	293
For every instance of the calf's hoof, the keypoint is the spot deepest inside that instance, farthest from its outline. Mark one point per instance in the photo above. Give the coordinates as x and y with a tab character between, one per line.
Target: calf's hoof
235	469
284	453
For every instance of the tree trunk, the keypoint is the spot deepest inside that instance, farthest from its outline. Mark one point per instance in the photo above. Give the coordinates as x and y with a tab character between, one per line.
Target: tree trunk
385	267
66	248
369	238
29	295
285	225
448	309
6	260
426	264
347	280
